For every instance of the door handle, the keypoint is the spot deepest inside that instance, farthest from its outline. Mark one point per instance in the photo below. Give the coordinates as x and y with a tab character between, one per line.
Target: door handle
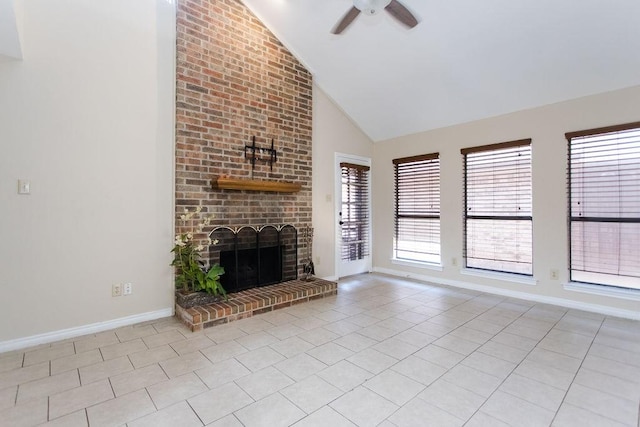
340	222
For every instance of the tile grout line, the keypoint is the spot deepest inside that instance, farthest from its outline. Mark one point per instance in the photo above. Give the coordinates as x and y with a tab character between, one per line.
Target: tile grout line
190	407
578	370
466	356
399	361
517	365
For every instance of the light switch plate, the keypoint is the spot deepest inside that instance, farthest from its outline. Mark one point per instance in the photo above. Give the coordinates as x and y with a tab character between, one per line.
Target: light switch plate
24	186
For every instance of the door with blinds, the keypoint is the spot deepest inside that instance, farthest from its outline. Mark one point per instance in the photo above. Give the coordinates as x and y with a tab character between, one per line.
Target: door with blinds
353	215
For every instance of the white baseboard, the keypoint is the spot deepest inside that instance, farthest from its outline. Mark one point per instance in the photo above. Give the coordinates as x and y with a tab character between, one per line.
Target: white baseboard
93	328
563	302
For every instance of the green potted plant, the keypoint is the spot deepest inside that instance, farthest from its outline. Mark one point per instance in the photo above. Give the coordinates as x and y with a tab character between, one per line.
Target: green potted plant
196	283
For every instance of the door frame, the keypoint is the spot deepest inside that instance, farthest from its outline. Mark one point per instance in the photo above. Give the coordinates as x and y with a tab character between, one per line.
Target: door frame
360	160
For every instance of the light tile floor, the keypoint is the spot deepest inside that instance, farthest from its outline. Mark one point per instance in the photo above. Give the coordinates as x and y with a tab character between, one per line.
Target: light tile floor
383	352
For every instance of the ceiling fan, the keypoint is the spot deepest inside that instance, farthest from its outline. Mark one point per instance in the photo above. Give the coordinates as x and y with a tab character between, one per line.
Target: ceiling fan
372	7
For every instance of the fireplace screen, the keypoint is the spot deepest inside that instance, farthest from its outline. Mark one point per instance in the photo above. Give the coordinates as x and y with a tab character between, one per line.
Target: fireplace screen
255	256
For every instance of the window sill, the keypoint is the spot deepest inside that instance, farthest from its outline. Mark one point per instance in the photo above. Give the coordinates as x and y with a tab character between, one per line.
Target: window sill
507	277
603	290
417	264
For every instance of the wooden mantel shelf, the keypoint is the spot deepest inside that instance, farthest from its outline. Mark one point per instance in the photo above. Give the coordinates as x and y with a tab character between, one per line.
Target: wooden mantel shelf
225	183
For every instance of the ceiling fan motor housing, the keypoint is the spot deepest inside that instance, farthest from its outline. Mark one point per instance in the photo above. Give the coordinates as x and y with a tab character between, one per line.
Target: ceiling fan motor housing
371	7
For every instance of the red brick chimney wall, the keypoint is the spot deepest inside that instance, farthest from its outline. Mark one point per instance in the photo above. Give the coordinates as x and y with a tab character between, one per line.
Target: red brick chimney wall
235	80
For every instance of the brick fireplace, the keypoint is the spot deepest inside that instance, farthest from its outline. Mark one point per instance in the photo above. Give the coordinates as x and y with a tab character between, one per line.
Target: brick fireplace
237	84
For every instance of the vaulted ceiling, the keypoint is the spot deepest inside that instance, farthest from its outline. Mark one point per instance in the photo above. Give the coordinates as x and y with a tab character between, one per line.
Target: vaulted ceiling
466	60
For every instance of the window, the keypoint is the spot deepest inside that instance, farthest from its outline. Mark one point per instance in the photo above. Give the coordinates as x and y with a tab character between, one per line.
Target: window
497	207
604	206
417	222
355	211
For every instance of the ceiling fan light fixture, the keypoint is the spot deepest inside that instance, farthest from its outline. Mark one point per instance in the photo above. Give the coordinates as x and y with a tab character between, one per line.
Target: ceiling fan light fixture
371	7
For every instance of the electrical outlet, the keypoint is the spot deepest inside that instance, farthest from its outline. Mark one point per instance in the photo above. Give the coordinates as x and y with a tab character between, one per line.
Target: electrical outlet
454	261
555	274
317	260
116	290
128	289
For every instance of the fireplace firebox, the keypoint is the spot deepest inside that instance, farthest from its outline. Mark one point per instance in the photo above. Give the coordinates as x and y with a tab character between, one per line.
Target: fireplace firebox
255	256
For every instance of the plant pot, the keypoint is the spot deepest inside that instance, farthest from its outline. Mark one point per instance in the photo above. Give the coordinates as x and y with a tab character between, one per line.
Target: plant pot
193	299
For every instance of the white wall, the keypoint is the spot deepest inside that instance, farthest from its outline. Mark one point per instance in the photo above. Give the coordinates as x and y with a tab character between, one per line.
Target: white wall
87	117
10	48
546	126
333	132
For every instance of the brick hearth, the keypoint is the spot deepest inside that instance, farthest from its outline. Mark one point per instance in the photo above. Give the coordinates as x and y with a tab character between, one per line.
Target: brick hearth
254	301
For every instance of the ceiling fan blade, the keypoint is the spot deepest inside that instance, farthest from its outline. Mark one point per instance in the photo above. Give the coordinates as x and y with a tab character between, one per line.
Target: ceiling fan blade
346	20
401	13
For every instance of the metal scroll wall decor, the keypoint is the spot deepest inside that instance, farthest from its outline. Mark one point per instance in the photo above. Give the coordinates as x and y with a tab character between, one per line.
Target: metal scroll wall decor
257	154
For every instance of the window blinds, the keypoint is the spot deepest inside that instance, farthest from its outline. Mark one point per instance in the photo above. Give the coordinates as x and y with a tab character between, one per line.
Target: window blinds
417	219
355	211
604	205
498	207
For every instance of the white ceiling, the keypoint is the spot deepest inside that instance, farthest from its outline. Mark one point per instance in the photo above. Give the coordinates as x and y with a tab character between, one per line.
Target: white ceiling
466	60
